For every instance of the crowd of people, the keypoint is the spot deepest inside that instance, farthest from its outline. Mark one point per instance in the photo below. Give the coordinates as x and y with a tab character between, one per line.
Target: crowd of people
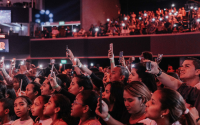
123	94
146	22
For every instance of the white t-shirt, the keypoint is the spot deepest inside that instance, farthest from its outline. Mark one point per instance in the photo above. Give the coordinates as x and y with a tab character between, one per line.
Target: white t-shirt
25	122
46	122
8	123
148	121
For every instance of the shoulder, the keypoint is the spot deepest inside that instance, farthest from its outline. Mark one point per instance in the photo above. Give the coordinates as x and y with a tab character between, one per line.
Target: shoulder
148	121
93	122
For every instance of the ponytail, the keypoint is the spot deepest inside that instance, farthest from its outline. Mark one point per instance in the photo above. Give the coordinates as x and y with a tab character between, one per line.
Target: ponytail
186	119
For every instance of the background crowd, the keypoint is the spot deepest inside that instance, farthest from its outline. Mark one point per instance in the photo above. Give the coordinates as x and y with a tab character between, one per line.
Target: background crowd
132	94
167	20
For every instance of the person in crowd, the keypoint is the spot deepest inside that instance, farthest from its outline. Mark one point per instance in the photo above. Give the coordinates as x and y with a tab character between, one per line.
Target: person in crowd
33	90
81	32
37	110
84	107
37	32
135	95
92	30
46	88
58	109
3	90
138	73
166	107
10	93
20	82
45	32
22	107
7	111
62	31
54	32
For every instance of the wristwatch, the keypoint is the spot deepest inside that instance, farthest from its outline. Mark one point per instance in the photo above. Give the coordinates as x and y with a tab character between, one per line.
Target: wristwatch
160	72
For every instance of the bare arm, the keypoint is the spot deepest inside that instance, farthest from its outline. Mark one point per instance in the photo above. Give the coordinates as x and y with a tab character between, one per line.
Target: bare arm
167	80
112	59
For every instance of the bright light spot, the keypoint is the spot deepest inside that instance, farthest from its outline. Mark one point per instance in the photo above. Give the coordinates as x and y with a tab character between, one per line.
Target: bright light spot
2	57
164	8
37	20
42	23
47	23
173	5
91	64
42	11
170	13
153	19
172	10
160	19
125	18
140	18
17	28
145	14
47	12
195	8
74	30
51	20
132	65
167	17
191	7
175	14
108	19
37	15
50	15
123	24
41	66
60	64
174	25
96	29
22	63
7	66
85	65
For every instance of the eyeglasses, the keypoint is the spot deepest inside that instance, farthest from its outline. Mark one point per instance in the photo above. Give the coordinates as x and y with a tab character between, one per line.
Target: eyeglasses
77	103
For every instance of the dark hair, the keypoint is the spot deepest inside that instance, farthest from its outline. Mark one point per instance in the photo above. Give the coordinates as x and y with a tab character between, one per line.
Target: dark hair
172	100
25	81
147	55
174	74
196	62
8	104
42	78
11	93
65	79
45	98
3	90
84	81
138	89
36	88
147	78
116	98
124	72
65	107
90	98
27	100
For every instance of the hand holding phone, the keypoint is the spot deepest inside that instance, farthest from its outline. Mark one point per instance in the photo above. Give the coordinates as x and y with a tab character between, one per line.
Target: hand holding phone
159	58
100	101
67	51
120	56
110	52
52	61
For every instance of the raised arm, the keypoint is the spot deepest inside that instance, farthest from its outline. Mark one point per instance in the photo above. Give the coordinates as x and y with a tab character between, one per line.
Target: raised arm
111	57
167	80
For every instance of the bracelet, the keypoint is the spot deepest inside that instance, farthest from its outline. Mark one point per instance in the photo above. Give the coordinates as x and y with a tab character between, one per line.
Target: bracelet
107	118
197	119
55	87
160	72
112	61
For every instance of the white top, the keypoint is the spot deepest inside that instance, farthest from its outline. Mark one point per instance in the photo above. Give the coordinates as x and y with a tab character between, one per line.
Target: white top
25	122
8	123
46	122
197	86
148	121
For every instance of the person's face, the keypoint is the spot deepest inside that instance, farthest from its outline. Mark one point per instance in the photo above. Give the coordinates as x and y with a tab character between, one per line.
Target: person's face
77	106
28	65
45	88
29	92
2	114
153	106
49	108
20	107
74	88
106	93
37	107
115	74
133	104
133	76
15	84
188	70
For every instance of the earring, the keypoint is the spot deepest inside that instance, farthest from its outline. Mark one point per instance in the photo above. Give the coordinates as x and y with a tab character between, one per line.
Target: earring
161	116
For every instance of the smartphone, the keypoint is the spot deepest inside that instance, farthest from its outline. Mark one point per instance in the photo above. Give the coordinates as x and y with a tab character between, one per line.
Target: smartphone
100	101
120	56
148	66
159	58
111	47
52	61
67	54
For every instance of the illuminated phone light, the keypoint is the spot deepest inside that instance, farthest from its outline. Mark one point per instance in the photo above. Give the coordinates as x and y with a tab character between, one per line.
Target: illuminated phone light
164	8
132	65
85	65
22	63
160	19
170	13
123	24
173	5
75	59
195	8
12	60
96	29
91	64
166	17
140	18
41	66
60	64
172	10
108	19
153	19
125	18
74	30
7	66
175	14
174	25
191	7
2	57
145	14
